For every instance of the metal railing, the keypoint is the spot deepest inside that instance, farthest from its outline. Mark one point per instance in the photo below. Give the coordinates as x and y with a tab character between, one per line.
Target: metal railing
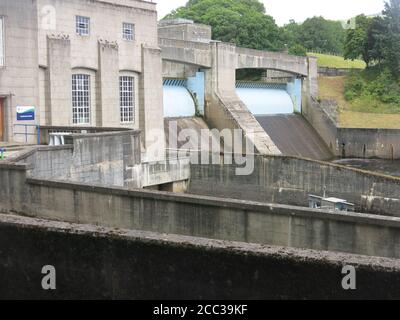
26	133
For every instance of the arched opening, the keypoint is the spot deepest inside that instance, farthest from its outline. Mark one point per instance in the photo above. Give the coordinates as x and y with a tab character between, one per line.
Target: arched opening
268	92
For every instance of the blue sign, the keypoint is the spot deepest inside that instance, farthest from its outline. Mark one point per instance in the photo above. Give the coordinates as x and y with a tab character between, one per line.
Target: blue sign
26	113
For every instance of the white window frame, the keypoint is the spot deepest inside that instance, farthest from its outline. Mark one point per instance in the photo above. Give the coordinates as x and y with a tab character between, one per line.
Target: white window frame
127	99
81	98
2	43
128	31
82	25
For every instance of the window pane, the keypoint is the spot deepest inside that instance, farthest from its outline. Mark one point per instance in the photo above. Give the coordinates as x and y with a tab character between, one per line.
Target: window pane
82	25
81	99
127	99
128	31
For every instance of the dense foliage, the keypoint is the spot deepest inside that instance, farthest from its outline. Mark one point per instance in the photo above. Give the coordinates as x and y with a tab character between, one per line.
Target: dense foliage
245	23
316	34
377	40
373	84
242	22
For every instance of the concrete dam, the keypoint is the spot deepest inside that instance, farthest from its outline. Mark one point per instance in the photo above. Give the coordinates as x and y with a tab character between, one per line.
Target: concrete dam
276	106
146	223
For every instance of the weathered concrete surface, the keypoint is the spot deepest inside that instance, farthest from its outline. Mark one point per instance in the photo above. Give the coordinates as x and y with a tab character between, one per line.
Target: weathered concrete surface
352	142
108	158
19	79
289	180
43	51
258	59
190	133
369	143
294	136
186	30
228	112
199	216
188	52
121	264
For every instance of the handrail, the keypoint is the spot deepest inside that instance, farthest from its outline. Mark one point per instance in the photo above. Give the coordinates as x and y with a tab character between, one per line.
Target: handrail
26	134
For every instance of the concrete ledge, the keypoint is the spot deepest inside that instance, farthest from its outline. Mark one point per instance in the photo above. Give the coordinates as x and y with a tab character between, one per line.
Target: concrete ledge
122	264
252	206
107	134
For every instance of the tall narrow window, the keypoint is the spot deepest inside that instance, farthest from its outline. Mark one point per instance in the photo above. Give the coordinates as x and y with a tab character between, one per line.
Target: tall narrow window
81	99
127	99
2	41
82	26
128	31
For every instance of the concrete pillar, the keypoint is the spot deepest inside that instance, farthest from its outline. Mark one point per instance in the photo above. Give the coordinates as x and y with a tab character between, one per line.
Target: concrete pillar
108	113
60	83
224	67
151	120
313	76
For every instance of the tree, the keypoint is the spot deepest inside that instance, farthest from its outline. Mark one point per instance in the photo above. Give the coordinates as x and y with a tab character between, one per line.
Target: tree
392	36
323	35
375	40
298	50
242	22
356	40
291	32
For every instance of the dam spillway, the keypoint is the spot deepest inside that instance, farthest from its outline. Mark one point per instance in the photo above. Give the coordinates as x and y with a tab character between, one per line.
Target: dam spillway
178	102
274	109
265	100
294	136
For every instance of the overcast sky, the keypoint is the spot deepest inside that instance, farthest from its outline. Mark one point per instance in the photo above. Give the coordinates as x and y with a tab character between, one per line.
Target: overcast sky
299	10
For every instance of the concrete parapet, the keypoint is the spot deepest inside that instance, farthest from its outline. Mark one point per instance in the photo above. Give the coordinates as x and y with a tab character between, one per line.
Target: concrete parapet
148	265
290	180
200	216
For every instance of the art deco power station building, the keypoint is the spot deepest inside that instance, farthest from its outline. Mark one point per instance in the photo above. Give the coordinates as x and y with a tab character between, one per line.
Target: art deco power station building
79	63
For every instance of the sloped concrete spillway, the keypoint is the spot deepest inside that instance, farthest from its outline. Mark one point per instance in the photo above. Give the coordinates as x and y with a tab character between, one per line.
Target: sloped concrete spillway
294	136
274	109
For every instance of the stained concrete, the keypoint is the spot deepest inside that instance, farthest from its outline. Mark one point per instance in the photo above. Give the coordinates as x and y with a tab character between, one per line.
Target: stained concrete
147	265
200	216
294	136
290	180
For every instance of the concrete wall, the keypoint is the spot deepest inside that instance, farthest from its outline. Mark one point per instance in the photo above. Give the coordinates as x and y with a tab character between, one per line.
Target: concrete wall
199	216
351	142
178	70
369	143
184	31
322	123
41	33
102	158
104	54
189	52
109	158
146	265
290	180
19	79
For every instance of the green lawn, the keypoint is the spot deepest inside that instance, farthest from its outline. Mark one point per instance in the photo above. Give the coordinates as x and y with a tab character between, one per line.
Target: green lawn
325	60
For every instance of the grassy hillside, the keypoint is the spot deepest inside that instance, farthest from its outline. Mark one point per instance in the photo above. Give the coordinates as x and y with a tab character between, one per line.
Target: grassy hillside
325	60
358	114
